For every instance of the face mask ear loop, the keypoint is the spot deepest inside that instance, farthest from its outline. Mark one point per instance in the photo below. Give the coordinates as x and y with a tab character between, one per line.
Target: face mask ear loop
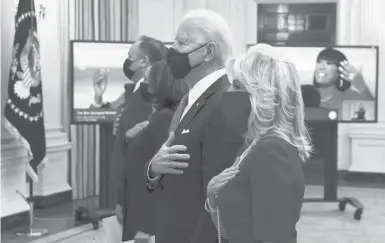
199	47
192	67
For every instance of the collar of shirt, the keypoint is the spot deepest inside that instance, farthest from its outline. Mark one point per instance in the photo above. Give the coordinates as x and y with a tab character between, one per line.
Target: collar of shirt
200	87
137	85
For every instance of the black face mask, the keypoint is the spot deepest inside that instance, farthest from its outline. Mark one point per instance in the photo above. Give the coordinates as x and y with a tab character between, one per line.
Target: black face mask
236	109
146	94
179	63
126	68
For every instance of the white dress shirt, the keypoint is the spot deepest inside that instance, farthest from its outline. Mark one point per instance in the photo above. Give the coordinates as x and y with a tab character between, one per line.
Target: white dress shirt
200	87
137	85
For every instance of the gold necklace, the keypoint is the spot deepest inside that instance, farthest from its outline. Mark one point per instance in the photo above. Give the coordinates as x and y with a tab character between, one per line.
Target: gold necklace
236	163
243	155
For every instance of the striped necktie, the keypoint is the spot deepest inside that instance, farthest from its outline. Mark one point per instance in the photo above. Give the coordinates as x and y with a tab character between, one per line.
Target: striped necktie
178	113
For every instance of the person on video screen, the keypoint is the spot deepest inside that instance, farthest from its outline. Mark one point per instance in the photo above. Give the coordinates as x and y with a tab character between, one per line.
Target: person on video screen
139	59
360	113
100	83
337	80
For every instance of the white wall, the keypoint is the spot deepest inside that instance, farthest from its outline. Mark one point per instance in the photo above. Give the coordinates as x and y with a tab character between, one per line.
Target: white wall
359	23
362	146
6	44
54	177
49	31
160	18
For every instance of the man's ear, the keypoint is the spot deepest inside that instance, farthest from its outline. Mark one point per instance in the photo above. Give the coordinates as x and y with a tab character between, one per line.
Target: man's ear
211	49
145	62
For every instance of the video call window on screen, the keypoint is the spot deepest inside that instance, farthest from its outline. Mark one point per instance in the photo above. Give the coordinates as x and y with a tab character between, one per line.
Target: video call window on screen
102	61
345	76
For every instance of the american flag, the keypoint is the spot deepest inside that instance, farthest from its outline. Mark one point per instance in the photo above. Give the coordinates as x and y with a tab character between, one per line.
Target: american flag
23	116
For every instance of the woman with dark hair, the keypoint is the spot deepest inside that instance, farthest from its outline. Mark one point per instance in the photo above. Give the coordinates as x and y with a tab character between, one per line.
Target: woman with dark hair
337	80
164	92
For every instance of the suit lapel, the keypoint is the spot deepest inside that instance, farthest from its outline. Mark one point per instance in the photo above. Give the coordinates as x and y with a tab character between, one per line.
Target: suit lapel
201	101
177	115
192	112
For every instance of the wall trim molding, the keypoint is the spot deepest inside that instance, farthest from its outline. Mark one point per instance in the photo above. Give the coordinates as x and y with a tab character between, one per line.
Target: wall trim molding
42	202
15	220
362	179
56	138
366	135
367	131
366	145
7	162
6	136
47	201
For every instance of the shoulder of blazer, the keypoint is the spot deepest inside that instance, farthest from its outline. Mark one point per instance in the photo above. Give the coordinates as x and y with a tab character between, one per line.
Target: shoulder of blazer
216	97
164	112
205	101
274	144
137	100
216	90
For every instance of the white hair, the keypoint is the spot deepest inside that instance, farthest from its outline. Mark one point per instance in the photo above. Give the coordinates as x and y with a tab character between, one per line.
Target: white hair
275	94
215	28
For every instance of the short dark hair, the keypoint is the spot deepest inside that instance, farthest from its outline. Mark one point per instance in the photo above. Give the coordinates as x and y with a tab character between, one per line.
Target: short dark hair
168	91
335	56
154	49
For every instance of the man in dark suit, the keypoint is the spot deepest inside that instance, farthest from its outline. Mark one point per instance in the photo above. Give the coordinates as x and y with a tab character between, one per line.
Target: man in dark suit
142	54
201	144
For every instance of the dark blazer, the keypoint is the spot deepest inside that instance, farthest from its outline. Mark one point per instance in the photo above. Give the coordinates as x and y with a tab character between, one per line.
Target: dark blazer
263	203
136	110
212	145
139	202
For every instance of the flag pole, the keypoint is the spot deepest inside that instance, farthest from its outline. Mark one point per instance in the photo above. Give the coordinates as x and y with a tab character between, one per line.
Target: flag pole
31	231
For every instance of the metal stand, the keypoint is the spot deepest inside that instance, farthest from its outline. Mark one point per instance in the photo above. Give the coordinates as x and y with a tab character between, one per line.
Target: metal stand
319	119
31	232
354	203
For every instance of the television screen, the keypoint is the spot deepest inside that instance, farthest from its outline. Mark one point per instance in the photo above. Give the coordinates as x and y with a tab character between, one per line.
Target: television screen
93	61
345	76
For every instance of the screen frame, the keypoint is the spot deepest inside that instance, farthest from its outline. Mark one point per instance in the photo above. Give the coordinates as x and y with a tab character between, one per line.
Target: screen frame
73	121
375	47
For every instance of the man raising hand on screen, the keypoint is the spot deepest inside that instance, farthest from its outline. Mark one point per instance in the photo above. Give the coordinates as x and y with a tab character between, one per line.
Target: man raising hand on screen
140	57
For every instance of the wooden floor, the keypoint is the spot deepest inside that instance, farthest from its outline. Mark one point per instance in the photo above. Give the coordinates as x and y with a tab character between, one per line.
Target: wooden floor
319	223
324	223
57	220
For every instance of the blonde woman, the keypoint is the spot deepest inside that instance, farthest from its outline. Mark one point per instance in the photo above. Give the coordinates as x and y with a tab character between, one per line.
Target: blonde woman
259	198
